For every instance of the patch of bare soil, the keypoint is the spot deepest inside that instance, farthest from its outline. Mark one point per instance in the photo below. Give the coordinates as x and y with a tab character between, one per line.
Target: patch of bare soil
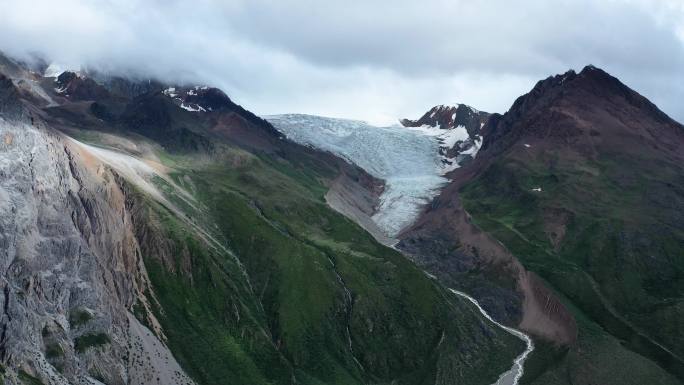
358	203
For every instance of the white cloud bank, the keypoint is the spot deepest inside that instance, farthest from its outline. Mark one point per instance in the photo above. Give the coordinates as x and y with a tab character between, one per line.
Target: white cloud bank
372	60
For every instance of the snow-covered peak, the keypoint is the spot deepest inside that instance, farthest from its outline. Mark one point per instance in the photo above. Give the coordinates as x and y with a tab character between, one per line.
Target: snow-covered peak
453	107
448	117
457	127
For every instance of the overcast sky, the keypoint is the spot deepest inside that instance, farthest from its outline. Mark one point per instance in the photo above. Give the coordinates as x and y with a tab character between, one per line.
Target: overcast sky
372	60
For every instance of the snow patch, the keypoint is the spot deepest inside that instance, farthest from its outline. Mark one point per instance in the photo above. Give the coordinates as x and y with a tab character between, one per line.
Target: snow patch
454	135
196	108
192	107
171	92
447	139
54	70
472	150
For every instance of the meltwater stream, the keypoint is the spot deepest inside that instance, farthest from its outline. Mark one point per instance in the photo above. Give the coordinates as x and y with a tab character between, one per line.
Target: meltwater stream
512	376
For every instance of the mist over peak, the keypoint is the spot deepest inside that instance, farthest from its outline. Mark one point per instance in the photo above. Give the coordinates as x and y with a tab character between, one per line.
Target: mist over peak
374	62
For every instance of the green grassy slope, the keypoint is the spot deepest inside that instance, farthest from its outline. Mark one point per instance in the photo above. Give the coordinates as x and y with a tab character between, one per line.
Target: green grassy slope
258	281
607	234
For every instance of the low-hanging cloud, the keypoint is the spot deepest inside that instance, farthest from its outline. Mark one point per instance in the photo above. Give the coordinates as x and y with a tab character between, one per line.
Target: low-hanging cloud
373	60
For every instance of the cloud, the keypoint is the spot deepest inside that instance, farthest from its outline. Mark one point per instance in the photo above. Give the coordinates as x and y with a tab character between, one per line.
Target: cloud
373	60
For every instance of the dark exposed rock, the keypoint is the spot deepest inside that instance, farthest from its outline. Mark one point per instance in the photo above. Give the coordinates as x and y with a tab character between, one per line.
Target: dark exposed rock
210	99
128	88
78	87
573	108
448	117
10	104
152	115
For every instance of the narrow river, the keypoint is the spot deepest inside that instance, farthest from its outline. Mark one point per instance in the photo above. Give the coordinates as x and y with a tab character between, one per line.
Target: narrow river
512	376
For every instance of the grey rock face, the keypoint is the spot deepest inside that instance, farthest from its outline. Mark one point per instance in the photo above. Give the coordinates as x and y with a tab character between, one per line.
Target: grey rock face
70	269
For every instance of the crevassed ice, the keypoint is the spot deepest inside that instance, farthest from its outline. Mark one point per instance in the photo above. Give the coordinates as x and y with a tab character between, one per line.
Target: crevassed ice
407	159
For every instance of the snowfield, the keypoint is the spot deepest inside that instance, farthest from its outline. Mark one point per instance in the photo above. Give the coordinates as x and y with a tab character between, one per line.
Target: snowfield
408	159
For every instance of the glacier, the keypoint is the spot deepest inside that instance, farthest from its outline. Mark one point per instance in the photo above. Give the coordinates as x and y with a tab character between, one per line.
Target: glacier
412	161
407	159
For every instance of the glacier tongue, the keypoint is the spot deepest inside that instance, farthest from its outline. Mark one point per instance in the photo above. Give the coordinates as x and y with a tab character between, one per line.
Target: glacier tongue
407	159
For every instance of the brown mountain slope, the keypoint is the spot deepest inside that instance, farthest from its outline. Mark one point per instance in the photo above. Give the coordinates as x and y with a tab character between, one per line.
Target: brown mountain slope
582	181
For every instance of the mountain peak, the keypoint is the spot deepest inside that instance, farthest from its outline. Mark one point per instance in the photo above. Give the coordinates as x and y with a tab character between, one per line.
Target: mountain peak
458	128
77	86
450	116
579	108
590	78
591	74
592	70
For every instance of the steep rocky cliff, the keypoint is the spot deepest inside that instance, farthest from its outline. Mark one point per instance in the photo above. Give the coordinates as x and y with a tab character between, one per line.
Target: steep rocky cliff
71	268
